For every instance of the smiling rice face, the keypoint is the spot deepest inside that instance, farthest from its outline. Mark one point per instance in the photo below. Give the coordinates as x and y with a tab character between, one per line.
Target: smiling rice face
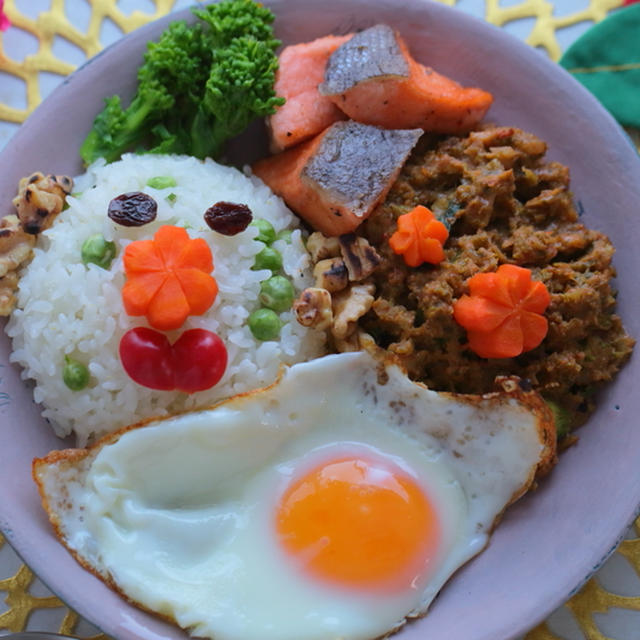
67	308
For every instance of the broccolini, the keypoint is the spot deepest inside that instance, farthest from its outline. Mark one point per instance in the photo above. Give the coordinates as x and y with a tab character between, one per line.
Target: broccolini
199	85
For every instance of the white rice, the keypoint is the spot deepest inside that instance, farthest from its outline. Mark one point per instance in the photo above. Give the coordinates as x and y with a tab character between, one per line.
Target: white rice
67	308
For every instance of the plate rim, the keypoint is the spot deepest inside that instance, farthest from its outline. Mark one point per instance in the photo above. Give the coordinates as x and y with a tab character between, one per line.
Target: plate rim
467	21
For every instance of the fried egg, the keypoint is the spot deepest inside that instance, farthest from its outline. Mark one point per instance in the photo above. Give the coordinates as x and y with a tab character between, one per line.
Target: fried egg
333	504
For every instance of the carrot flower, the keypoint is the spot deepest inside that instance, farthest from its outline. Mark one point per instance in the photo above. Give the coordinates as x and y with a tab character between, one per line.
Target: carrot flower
419	238
503	313
168	278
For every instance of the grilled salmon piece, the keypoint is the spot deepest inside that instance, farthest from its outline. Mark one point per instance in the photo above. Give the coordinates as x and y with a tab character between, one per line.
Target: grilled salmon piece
373	79
335	180
305	112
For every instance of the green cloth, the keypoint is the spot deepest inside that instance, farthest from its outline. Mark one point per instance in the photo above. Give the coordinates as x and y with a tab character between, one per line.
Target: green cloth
606	60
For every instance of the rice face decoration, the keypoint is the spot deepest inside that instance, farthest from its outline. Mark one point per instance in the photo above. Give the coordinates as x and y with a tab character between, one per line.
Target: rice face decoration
70	310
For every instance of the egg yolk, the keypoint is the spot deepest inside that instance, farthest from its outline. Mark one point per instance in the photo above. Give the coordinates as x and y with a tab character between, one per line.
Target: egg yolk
359	522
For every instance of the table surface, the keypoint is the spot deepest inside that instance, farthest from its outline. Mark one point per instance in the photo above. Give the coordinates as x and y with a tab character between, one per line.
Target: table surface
608	607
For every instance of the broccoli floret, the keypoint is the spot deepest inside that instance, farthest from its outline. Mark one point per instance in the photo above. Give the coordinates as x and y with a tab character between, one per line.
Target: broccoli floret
199	85
232	19
179	63
239	89
108	126
115	130
129	127
172	69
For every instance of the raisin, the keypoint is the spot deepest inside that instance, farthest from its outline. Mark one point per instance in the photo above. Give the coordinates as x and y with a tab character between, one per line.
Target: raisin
133	209
228	218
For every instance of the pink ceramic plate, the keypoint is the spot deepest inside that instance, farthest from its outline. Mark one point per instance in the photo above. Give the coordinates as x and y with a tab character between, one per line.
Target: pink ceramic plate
551	541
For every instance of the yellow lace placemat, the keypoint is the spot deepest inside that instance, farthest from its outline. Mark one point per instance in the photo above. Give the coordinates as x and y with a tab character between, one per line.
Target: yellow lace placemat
55	23
48	26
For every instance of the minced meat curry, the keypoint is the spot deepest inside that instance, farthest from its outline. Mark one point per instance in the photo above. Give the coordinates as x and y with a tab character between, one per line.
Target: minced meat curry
503	203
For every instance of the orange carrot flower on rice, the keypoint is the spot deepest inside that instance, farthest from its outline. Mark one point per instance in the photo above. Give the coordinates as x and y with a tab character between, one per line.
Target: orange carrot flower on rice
168	278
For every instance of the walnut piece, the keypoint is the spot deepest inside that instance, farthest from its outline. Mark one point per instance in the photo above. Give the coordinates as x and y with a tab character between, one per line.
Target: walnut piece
350	343
338	299
360	258
16	247
15	244
349	306
40	199
8	286
313	308
331	274
320	247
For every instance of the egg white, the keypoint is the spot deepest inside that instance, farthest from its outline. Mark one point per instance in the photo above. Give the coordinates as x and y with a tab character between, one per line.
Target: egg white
180	514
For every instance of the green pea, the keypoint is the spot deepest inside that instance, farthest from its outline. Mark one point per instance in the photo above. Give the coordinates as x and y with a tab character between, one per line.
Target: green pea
264	324
268	258
161	182
277	293
75	374
266	232
285	235
97	250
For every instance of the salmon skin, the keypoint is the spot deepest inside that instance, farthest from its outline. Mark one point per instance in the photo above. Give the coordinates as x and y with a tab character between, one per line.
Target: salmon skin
358	162
379	83
369	55
335	180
